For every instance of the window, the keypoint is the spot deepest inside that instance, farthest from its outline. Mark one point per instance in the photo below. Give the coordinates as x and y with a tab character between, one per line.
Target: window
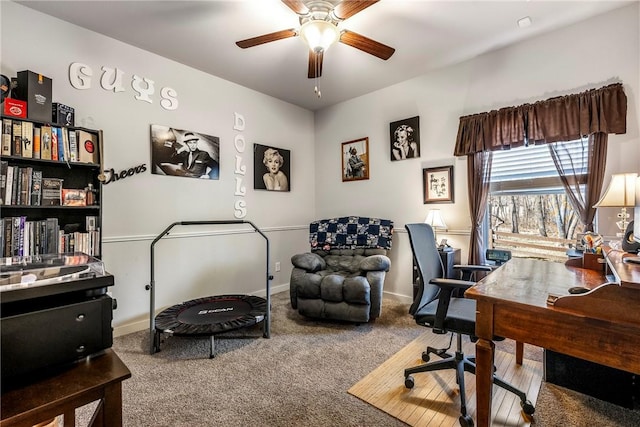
530	213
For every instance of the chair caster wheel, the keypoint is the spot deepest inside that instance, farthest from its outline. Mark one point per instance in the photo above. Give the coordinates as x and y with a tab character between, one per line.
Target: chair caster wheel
466	421
527	407
408	382
425	356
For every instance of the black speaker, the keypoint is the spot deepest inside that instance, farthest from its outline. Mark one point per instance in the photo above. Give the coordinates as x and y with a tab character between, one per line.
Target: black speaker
628	242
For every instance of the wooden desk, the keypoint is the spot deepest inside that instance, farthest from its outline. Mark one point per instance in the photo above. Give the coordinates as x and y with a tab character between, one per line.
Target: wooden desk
602	325
98	378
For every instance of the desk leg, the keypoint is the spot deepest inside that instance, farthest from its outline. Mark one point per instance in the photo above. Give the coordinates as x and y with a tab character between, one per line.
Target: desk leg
519	352
484	381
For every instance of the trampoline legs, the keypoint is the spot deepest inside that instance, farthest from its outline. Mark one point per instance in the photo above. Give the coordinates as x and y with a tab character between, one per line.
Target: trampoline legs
156	342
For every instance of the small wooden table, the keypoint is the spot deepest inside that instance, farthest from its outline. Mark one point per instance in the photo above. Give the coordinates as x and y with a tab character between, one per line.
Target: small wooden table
602	325
97	378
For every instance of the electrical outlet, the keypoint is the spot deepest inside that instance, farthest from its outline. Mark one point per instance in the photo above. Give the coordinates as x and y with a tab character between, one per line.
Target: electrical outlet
278	266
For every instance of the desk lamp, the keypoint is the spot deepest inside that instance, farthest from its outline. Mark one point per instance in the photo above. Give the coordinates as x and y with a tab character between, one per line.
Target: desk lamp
434	219
621	193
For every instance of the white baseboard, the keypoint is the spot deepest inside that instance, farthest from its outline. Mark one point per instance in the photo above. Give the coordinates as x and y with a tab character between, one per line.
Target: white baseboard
398	297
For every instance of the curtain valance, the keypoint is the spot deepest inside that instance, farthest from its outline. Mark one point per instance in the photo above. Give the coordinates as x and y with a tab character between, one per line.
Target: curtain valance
561	118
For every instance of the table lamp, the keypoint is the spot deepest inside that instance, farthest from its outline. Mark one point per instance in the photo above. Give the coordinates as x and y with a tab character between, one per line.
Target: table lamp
434	219
621	193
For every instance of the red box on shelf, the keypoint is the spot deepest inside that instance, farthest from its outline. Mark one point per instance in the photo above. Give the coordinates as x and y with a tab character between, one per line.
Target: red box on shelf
15	108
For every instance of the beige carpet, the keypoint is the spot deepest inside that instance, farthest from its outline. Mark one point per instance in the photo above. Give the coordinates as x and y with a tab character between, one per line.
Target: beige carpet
435	398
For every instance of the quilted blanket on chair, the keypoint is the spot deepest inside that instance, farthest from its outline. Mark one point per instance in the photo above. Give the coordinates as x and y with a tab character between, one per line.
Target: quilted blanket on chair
351	232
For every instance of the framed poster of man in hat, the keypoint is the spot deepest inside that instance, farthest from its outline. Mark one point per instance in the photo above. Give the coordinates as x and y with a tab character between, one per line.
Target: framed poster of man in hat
179	152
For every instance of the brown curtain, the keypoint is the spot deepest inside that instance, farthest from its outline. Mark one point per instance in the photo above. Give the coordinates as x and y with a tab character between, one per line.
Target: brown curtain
563	118
571	117
596	150
478	174
495	130
596	112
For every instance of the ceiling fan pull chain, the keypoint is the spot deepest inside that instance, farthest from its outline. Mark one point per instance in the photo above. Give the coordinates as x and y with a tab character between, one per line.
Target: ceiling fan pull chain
317	87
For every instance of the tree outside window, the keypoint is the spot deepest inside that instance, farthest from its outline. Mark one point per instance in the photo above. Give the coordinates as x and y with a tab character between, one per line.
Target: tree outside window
529	212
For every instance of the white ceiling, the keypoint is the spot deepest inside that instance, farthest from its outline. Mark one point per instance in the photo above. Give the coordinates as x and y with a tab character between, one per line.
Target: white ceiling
426	34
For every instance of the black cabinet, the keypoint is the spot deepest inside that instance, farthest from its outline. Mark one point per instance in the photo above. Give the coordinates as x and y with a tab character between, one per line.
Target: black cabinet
449	259
54	311
33	221
599	381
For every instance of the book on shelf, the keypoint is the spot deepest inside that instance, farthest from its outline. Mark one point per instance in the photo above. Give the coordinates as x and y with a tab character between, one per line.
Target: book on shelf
27	239
4	168
91	223
37	238
7	132
20	245
65	144
51	191
52	235
42	231
87	147
45	142
36	143
18	182
25	185
61	149
54	143
73	146
14	185
27	140
36	188
17	138
7	226
9	185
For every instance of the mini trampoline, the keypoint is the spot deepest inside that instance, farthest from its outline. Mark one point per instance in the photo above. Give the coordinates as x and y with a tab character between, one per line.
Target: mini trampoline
210	315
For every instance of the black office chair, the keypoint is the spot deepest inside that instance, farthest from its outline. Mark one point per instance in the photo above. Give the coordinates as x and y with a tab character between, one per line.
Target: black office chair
440	305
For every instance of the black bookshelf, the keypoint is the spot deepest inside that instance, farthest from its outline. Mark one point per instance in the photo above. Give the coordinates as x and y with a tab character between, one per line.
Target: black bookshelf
77	225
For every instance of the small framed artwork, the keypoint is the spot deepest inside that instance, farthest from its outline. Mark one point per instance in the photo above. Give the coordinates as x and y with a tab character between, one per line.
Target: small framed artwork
271	168
355	159
438	184
405	139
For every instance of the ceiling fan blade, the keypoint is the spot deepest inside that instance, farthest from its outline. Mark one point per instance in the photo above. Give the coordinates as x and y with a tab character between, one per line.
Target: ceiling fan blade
315	64
348	8
365	44
297	6
266	38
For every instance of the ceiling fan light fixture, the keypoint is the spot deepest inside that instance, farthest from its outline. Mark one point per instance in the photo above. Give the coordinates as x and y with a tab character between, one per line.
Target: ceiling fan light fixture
319	35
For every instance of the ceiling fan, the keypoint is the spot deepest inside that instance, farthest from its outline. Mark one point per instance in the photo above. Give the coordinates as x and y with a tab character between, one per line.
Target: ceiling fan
319	21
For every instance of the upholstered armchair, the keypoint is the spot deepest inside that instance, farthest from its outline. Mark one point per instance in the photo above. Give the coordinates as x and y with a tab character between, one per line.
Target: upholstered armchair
342	277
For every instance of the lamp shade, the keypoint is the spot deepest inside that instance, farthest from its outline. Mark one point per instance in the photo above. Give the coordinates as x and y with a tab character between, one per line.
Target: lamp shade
319	35
621	192
434	219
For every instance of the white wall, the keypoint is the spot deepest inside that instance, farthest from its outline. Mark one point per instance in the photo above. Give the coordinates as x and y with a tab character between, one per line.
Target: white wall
138	208
587	55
